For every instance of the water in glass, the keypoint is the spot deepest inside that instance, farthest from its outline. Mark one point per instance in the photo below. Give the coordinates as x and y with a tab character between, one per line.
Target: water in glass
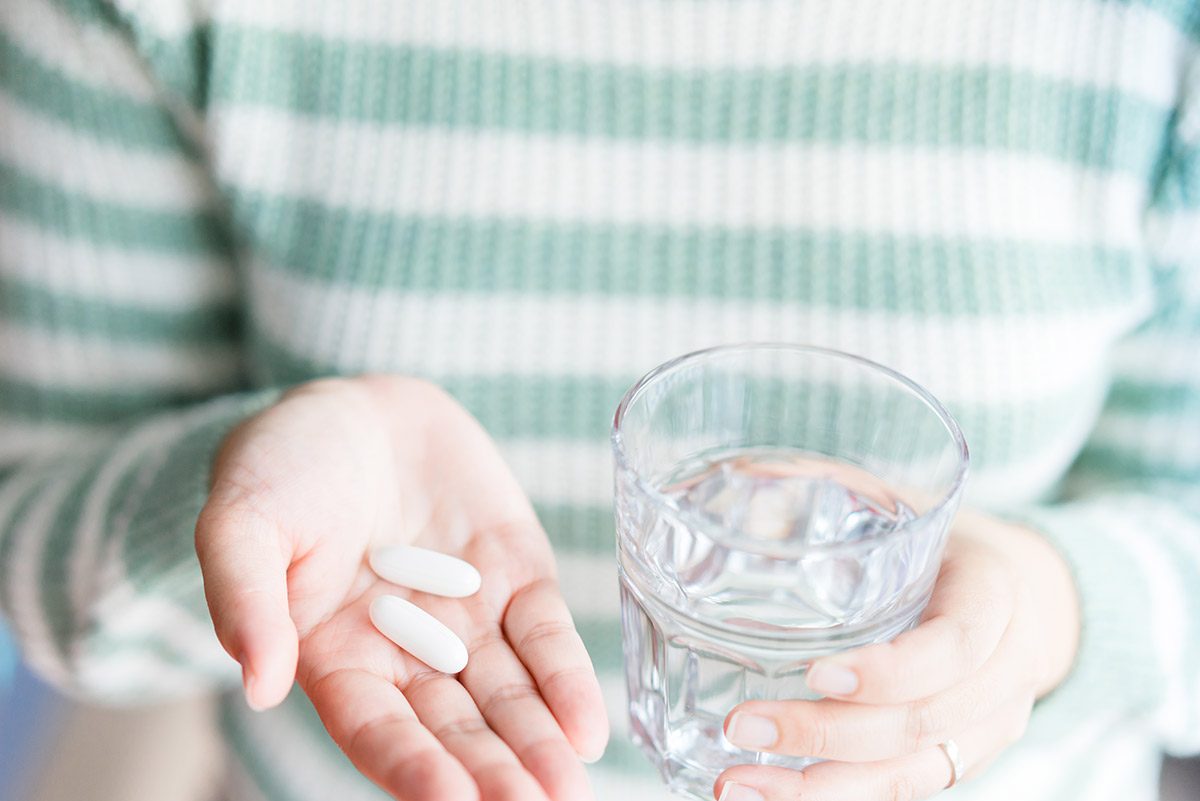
767	559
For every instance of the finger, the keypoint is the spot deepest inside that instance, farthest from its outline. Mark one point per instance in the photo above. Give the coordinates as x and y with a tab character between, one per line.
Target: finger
514	708
424	570
853	732
969	612
541	631
447	710
920	775
373	723
244	563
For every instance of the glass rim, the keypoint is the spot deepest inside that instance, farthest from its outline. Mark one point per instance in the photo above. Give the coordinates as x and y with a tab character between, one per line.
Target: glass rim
718	533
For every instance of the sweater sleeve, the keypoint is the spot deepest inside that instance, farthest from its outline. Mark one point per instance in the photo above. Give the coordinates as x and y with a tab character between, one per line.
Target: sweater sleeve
120	362
1129	516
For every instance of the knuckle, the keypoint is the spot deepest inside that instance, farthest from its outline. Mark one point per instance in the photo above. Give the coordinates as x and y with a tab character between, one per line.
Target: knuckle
963	638
550	630
1013	733
506	693
1018	724
487	639
923	725
549	754
901	788
421	770
502	781
551	680
814	736
464	727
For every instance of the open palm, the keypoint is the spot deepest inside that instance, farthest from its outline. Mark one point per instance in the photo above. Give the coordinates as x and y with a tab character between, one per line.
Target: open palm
300	494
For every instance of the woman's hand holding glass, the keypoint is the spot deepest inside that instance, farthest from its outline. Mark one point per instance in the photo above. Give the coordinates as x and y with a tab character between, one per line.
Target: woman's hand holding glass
1001	630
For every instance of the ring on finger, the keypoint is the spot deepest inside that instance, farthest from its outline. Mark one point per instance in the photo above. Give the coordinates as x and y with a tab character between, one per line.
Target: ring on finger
950	749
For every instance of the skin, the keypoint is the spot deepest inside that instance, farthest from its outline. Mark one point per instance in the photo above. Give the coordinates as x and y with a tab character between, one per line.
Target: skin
1001	631
299	495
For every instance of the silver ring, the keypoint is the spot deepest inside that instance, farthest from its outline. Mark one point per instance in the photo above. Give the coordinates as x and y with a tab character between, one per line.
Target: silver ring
950	749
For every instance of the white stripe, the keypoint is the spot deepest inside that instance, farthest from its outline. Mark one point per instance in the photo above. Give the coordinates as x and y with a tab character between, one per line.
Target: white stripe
131	676
78	268
965	359
589	584
1159	358
136	618
1165	616
170	19
834	187
1119	770
94	55
1157	438
1032	773
31	441
1077	41
1169	523
65	361
52	152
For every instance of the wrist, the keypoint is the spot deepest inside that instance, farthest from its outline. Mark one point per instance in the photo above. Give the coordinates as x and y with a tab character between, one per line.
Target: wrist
1053	606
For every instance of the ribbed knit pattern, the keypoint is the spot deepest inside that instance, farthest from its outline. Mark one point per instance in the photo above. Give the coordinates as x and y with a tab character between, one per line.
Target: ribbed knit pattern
202	202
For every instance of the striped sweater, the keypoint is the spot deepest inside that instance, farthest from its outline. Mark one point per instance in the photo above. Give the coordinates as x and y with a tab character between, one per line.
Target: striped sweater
531	203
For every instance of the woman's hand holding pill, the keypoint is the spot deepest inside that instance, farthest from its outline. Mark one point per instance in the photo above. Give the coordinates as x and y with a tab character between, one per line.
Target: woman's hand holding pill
305	541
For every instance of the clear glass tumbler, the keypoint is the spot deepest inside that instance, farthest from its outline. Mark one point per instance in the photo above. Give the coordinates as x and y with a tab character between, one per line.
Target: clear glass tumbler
774	504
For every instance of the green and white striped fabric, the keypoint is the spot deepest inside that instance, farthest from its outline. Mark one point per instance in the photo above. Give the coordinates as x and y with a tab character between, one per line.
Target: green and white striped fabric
202	202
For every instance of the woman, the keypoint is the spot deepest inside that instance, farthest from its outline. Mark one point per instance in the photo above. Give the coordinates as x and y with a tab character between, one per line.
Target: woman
206	207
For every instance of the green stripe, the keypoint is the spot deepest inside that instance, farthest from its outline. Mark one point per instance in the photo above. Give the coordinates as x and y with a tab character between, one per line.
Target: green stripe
10	527
1148	399
21	399
98	112
1184	15
180	63
158	551
108	223
602	637
580	408
876	271
887	104
38	307
1133	469
579	529
55	579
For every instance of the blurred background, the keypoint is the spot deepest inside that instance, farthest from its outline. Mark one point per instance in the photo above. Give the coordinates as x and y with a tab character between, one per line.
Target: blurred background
53	749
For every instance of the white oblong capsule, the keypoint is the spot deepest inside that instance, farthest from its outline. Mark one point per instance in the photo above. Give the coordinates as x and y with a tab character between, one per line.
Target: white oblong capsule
425	570
419	633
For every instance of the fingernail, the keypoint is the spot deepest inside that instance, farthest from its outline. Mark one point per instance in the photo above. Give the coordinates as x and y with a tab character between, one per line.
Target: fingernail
732	791
248	682
828	678
752	731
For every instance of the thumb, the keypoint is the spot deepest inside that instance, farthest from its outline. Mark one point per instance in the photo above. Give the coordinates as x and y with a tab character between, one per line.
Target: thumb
245	561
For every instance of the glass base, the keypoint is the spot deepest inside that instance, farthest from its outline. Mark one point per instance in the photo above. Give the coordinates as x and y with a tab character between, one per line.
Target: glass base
683	683
698	754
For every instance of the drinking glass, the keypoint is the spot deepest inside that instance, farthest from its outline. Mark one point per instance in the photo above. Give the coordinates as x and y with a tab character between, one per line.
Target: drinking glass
774	504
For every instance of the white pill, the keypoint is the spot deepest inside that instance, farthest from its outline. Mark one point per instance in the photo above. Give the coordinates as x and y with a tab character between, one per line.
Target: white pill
425	570
419	633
